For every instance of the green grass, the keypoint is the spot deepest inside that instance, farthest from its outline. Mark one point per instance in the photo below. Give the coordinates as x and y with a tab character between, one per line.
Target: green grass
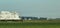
29	25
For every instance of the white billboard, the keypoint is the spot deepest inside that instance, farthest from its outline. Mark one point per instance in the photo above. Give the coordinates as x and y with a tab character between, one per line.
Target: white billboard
6	15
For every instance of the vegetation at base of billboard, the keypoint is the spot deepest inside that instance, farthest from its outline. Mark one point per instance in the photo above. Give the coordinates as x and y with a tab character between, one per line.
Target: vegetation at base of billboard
29	25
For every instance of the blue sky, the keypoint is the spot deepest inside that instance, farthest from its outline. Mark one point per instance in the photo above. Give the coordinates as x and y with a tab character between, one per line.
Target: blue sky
42	8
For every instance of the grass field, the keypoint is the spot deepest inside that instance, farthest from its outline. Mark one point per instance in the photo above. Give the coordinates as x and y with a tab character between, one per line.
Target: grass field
29	25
